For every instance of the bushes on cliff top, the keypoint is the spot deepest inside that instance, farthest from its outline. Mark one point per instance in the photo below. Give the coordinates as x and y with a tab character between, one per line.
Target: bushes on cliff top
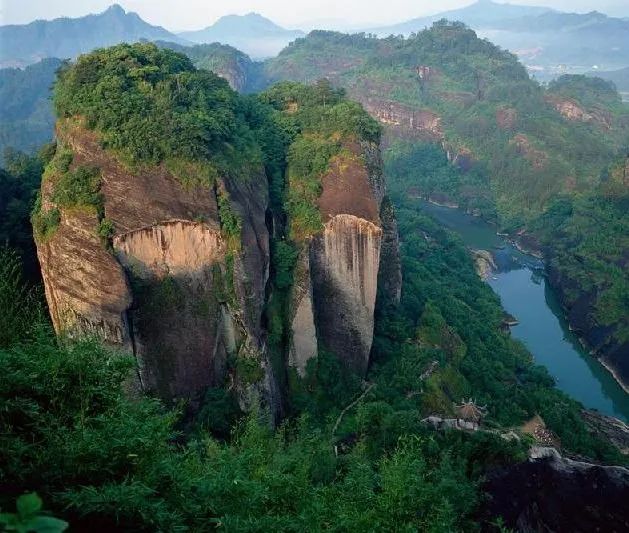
315	120
151	104
322	108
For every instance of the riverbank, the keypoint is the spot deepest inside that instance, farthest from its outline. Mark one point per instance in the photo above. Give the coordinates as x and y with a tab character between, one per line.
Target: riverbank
527	295
608	356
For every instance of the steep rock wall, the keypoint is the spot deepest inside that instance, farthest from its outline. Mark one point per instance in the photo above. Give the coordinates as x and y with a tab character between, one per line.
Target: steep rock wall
345	260
86	288
553	493
180	324
402	120
600	339
171	290
338	272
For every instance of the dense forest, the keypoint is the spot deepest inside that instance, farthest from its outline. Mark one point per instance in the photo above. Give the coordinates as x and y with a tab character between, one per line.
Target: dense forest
546	163
352	454
100	458
487	105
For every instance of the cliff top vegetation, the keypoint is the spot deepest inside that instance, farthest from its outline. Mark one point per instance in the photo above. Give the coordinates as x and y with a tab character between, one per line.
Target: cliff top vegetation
152	105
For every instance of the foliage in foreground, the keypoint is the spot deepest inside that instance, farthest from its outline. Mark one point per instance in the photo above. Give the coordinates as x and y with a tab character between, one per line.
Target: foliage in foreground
70	432
102	460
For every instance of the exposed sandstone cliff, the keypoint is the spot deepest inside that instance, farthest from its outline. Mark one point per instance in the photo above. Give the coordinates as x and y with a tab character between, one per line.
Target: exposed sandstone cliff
86	288
404	120
572	111
172	289
339	269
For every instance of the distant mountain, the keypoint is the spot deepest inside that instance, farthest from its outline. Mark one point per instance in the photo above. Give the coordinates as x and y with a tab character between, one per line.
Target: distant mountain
550	42
26	118
21	45
620	77
574	41
481	14
254	34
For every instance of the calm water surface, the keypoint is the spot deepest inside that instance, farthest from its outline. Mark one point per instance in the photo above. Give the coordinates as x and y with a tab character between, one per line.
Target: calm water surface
542	328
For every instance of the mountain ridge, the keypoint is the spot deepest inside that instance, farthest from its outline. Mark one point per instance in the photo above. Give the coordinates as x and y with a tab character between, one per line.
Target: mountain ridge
64	37
551	42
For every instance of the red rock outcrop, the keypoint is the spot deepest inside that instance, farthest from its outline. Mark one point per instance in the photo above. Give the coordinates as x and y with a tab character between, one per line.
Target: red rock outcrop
170	290
523	146
404	120
506	118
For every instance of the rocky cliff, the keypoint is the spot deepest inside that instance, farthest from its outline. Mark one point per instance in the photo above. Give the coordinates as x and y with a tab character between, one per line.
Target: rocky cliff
339	269
170	287
553	493
153	225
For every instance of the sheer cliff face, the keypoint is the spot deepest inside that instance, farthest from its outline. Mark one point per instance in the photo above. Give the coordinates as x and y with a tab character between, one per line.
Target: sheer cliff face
337	276
344	263
170	290
91	296
402	120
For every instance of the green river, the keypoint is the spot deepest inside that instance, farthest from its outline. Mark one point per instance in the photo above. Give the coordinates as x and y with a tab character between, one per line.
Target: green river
525	294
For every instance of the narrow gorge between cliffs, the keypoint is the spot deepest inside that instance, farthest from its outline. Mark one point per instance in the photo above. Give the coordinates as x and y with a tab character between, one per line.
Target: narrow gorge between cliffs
524	291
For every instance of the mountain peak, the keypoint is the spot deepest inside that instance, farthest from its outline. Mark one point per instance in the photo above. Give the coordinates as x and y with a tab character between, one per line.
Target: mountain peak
115	9
252	33
22	44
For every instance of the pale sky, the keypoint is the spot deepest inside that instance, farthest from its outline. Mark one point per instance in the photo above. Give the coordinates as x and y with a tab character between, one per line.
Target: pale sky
178	15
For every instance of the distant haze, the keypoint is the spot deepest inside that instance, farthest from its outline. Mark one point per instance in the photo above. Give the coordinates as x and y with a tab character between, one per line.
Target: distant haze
195	14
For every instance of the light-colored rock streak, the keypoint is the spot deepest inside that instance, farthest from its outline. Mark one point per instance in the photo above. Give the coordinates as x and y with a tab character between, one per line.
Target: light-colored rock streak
345	260
304	342
352	257
176	247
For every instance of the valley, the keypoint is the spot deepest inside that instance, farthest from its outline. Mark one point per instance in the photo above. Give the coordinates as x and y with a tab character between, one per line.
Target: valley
526	295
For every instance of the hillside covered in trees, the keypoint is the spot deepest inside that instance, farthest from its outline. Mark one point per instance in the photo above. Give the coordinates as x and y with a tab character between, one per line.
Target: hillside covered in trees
352	451
518	150
26	117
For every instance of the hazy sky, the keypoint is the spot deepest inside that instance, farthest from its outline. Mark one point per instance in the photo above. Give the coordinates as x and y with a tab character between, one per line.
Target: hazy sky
194	14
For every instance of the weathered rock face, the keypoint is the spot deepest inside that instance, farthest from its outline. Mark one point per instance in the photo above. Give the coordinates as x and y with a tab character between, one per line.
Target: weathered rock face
234	72
571	110
171	290
176	277
85	286
404	120
613	429
523	147
600	338
551	493
390	270
484	263
344	262
338	271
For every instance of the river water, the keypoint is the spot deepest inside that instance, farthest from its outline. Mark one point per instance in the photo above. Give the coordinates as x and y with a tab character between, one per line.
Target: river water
525	294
